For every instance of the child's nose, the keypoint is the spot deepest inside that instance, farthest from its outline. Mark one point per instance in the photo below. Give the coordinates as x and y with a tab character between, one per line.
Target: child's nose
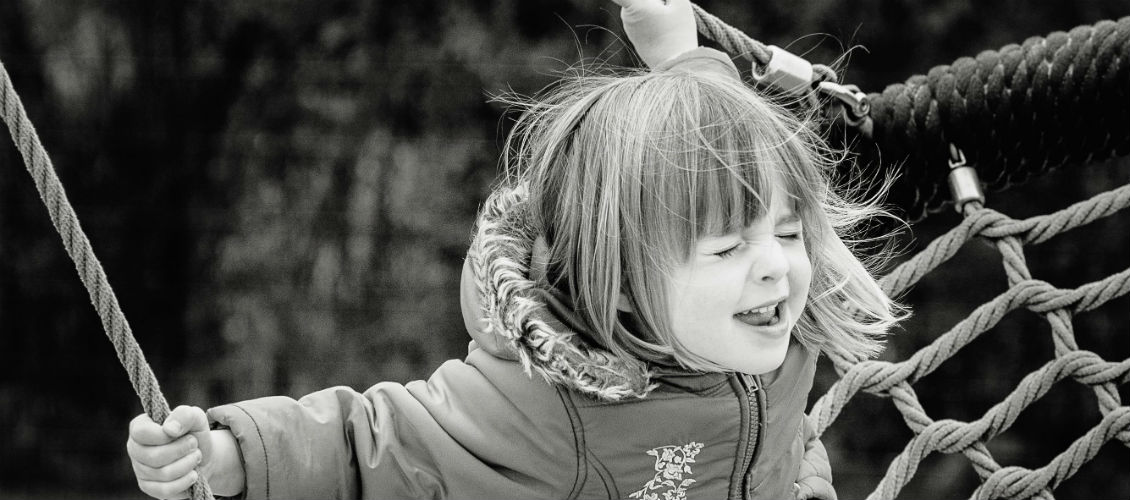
771	264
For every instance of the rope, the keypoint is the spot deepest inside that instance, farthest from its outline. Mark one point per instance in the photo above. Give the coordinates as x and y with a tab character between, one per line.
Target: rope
1016	113
734	41
89	268
1057	305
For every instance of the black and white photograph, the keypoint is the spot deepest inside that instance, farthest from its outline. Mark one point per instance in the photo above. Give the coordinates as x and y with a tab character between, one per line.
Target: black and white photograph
565	249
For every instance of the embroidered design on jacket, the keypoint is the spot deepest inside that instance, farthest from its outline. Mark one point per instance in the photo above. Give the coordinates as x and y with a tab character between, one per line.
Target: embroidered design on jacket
672	466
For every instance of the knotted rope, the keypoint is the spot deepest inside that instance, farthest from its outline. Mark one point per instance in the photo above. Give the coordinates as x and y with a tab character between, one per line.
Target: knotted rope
1020	111
89	268
1057	305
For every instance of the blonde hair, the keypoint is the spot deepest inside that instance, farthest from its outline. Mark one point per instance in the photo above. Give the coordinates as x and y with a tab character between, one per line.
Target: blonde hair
625	173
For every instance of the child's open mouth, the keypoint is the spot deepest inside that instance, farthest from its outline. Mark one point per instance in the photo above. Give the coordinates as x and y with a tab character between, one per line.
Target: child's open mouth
763	316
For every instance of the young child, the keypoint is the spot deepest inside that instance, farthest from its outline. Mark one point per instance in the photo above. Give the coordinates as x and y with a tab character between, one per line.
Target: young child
666	255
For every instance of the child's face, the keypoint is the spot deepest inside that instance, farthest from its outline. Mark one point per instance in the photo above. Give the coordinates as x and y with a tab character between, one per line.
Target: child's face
717	293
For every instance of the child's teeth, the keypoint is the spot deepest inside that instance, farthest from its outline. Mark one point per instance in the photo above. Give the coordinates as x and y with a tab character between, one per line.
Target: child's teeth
761	316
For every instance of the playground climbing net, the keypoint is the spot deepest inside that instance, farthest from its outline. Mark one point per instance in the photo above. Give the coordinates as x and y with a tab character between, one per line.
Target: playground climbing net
1058	306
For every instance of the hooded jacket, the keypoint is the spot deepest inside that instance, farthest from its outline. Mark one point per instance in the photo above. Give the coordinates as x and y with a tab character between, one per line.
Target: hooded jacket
565	419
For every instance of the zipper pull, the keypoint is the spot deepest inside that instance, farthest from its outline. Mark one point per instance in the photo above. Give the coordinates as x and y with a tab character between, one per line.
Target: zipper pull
755	383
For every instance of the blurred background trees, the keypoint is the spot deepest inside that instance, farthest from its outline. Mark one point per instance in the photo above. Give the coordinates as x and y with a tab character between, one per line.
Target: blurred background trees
282	192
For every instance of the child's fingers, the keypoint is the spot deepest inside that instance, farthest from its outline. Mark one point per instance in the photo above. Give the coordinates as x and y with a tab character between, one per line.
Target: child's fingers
659	30
632	4
147	432
172	489
171	472
185	419
190	420
651	7
160	456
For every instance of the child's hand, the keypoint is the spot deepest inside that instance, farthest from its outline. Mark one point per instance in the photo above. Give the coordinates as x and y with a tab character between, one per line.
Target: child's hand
164	456
659	29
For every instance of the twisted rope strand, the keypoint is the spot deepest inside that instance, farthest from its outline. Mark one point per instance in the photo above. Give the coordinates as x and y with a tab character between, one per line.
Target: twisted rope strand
949	436
937	252
1017	482
89	269
877	377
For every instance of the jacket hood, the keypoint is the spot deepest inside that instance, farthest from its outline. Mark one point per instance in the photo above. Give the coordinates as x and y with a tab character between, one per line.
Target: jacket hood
510	314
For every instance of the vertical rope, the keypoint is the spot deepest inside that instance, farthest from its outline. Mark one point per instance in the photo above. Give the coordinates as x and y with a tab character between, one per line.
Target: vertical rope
730	38
89	268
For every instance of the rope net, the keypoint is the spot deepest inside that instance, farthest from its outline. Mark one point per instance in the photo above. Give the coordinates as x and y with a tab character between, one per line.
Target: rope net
1058	306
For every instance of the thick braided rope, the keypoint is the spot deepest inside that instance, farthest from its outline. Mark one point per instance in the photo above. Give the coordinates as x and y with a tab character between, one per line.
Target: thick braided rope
89	268
1057	305
1016	112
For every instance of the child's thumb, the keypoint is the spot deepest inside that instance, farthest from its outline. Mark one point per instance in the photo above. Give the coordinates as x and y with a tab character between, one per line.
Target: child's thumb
185	419
190	419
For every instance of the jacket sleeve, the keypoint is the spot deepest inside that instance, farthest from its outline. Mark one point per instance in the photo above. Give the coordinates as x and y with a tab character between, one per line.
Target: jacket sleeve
815	476
701	60
480	429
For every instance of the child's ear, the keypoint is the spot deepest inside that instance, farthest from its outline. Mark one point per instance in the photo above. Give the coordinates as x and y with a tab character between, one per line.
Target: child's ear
623	303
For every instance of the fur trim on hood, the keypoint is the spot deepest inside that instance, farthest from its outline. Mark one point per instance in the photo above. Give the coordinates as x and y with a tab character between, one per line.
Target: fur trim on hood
503	302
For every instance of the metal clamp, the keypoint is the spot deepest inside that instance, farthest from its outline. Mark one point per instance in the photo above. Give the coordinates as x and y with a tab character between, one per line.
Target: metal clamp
854	103
785	71
965	186
794	75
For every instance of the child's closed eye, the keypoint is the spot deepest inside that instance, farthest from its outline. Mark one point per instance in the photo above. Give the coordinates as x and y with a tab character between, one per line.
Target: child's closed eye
790	229
729	251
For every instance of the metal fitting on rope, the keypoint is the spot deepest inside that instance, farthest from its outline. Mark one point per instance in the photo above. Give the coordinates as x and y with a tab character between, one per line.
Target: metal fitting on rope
786	72
853	102
794	75
965	186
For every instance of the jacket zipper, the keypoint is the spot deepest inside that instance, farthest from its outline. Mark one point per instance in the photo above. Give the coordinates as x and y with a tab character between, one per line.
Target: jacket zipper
757	427
754	406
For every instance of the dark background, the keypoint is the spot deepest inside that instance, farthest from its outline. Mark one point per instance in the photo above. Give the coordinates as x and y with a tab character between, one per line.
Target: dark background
281	193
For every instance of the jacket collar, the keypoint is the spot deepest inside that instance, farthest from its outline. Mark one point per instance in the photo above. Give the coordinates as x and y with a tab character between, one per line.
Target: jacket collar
510	314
